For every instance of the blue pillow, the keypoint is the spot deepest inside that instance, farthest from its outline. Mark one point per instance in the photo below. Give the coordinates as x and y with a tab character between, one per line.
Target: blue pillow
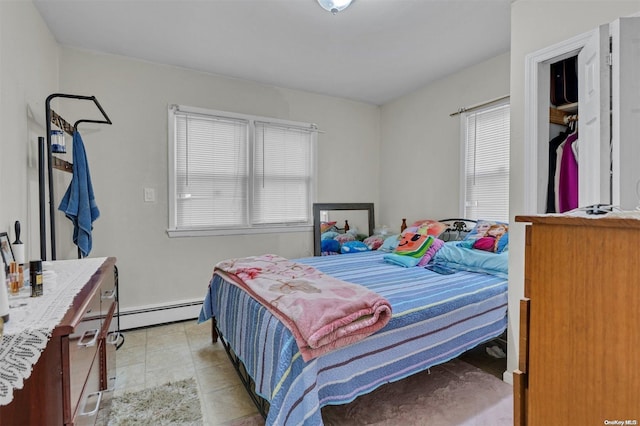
390	243
330	246
353	247
329	235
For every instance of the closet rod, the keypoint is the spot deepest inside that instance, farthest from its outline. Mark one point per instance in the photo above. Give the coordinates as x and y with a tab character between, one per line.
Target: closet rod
476	106
64	125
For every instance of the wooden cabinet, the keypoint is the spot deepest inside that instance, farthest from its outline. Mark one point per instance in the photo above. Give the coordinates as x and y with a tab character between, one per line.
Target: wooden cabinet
579	335
78	363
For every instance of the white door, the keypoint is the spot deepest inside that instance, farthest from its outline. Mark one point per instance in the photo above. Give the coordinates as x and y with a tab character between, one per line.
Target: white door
594	128
625	113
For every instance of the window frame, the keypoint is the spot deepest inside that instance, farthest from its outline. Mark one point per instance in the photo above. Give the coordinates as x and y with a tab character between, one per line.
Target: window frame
506	102
174	231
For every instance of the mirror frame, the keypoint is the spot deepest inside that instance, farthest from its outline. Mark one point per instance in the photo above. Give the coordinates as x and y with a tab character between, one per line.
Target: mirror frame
318	207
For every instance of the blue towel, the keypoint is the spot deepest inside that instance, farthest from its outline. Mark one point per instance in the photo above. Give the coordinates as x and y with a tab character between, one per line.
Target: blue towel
401	260
78	203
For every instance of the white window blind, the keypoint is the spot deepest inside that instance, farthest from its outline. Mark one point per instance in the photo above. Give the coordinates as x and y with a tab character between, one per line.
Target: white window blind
486	162
232	173
283	175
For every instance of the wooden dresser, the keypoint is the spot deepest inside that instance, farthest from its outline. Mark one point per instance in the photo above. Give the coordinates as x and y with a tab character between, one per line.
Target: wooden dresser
67	382
579	343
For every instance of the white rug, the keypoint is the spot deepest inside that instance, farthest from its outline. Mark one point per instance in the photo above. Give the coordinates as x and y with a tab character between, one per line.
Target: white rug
175	403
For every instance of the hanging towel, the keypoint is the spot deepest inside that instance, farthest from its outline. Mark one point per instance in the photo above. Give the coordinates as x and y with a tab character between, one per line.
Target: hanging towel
78	203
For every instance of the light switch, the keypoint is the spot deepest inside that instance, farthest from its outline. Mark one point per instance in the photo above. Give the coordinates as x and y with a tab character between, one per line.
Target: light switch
149	195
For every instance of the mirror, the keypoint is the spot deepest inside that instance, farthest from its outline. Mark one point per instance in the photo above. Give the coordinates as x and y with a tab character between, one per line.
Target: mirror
359	216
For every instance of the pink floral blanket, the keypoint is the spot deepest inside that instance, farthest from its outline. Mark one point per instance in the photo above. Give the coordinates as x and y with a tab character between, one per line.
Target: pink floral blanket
322	312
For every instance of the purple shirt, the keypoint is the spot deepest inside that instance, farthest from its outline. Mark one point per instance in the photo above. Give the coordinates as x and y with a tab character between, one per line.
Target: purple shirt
568	185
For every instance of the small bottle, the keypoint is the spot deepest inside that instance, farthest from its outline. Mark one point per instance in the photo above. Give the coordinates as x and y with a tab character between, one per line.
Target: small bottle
346	226
35	273
14	279
404	225
58	143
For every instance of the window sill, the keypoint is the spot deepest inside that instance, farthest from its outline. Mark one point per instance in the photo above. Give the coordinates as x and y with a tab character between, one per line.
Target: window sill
178	233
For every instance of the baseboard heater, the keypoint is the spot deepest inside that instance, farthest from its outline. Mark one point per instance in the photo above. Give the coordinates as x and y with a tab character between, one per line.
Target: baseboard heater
145	316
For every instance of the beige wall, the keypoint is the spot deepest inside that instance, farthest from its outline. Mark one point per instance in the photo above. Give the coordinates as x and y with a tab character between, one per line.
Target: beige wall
28	74
131	154
537	24
420	151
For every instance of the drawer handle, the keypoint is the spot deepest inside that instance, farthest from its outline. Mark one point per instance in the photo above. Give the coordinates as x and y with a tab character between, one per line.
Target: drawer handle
97	395
112	338
112	382
109	294
91	342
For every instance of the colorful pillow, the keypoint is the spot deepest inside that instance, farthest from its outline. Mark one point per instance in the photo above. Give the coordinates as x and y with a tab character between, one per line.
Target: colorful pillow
353	247
491	236
414	245
429	227
374	242
325	226
343	238
433	249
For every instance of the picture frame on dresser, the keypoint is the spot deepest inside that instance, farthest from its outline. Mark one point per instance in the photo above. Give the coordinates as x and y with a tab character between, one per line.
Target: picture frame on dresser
6	250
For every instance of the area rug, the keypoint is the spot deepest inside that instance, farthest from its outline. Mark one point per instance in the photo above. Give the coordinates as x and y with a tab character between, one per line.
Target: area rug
175	403
454	393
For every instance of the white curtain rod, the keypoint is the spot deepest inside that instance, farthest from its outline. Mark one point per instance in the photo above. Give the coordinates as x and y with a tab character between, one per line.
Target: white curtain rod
476	106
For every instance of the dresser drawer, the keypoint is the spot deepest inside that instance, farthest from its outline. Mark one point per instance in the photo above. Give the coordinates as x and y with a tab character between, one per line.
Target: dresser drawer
90	400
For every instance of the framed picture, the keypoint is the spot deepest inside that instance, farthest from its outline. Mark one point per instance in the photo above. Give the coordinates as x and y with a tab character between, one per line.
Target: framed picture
5	249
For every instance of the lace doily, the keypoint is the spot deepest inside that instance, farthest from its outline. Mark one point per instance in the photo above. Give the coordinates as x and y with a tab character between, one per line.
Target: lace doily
32	320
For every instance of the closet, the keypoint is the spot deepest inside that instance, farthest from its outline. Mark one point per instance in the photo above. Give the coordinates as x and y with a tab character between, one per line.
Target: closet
608	107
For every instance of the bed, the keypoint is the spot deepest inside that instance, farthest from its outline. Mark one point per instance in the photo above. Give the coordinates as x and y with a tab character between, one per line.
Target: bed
435	319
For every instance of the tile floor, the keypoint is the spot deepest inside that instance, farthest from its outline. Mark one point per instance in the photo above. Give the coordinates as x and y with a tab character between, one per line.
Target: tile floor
156	355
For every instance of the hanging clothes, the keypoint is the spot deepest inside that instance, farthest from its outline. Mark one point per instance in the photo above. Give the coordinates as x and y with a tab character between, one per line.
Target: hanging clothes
568	176
554	144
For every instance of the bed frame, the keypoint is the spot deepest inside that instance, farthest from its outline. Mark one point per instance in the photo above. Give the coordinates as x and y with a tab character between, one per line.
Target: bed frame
456	230
261	404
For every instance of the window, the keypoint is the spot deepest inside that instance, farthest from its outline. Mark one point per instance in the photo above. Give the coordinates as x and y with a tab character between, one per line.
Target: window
485	138
234	173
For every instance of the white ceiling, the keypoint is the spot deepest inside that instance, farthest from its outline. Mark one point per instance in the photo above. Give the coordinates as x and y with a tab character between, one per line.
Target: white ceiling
375	51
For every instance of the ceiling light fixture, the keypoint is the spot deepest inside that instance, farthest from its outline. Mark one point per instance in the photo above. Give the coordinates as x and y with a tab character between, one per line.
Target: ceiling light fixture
334	6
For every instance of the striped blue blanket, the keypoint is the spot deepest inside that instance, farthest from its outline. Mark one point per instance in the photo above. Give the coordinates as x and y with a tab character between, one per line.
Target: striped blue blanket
435	318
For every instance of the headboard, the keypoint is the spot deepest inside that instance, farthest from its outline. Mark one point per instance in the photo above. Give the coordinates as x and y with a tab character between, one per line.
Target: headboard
321	207
457	228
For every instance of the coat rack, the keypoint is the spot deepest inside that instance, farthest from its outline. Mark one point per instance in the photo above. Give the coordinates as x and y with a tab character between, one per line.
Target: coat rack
55	162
